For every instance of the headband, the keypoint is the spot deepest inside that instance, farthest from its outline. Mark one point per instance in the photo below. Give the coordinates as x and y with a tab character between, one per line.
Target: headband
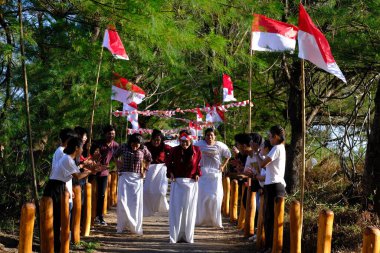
185	136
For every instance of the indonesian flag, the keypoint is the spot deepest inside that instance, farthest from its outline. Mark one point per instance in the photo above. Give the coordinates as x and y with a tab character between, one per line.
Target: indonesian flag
215	115
314	47
199	115
272	35
113	42
228	89
133	117
126	92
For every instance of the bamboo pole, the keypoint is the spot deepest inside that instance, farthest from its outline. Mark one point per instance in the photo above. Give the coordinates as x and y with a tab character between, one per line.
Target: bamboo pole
94	199
295	227
76	214
65	223
250	212
27	110
94	101
28	212
278	230
250	90
325	226
260	238
46	225
241	221
227	194
87	215
371	240
234	201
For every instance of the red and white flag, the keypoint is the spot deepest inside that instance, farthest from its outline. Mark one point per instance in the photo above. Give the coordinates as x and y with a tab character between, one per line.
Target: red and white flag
215	115
113	43
199	115
228	89
126	92
272	35
133	117
314	47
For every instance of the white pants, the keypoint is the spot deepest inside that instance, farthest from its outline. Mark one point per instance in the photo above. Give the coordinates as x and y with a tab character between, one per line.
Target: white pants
155	189
183	208
130	202
210	199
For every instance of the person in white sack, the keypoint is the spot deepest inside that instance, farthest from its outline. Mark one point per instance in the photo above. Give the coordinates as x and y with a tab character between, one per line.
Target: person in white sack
156	182
130	185
215	156
184	172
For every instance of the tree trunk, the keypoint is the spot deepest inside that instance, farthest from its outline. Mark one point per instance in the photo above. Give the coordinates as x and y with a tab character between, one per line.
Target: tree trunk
371	175
293	151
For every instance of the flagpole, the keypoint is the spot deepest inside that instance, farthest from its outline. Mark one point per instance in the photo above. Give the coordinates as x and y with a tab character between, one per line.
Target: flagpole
250	89
94	101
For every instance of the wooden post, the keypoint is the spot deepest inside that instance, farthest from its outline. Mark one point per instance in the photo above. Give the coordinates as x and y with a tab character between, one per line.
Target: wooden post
279	206
224	195
46	225
371	240
94	199
105	201
241	222
76	214
227	199
65	223
250	212
109	198
260	238
234	201
28	212
295	227
87	214
114	187
325	225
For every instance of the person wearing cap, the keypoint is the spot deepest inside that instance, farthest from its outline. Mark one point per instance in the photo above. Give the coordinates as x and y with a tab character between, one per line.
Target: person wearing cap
183	169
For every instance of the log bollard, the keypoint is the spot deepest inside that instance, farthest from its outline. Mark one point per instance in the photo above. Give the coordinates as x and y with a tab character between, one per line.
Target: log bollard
234	201
113	187
241	221
227	200
76	214
87	212
224	195
28	212
295	227
260	238
65	223
371	240
278	230
325	225
105	200
46	225
94	199
250	212
109	199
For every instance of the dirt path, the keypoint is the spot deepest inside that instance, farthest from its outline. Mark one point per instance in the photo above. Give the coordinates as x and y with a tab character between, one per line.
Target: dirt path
156	238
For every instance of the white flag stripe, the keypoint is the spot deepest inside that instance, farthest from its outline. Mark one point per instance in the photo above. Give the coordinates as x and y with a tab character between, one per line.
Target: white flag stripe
264	41
228	97
309	50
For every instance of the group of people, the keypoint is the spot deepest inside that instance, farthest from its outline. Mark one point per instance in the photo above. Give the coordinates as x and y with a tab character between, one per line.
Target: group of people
194	170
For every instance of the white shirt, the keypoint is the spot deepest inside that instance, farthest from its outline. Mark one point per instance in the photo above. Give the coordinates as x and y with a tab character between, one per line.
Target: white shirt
275	170
58	154
212	155
63	172
263	172
249	164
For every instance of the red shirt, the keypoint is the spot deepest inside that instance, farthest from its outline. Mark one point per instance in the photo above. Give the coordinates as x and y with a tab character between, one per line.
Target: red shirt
184	163
106	152
158	153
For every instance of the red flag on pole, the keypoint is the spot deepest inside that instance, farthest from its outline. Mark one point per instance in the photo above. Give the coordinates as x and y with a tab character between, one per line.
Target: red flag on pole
228	89
126	92
113	43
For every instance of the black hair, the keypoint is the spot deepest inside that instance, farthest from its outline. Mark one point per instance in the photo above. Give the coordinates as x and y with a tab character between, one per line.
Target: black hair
136	138
268	145
278	130
210	130
80	131
108	129
243	138
66	134
157	133
93	148
73	143
257	138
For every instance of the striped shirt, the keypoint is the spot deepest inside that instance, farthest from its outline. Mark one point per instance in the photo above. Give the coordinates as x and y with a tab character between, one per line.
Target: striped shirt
132	160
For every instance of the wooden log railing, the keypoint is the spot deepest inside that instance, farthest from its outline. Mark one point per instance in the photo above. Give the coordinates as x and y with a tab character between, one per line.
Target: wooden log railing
234	201
295	227
371	240
260	235
325	226
46	225
87	210
250	212
65	223
76	214
278	230
28	212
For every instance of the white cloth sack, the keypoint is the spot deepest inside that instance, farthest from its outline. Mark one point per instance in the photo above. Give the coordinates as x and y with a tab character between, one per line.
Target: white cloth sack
210	199
130	202
155	189
182	210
